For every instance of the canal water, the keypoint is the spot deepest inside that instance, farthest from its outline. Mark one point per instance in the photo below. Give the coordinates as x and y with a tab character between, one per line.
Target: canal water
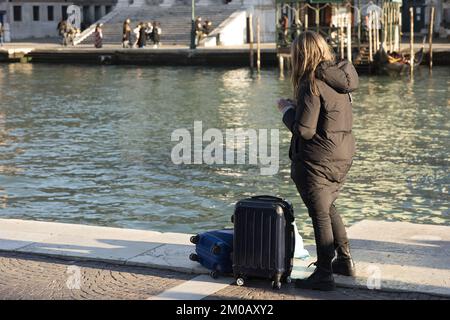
92	145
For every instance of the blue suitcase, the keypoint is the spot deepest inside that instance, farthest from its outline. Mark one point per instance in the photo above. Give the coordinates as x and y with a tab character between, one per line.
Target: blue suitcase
213	250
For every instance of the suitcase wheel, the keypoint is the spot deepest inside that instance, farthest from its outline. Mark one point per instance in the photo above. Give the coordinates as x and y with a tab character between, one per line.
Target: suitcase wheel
286	279
214	274
240	281
276	285
195	239
193	257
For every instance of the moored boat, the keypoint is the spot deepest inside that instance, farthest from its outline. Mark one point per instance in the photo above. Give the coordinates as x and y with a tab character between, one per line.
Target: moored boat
394	62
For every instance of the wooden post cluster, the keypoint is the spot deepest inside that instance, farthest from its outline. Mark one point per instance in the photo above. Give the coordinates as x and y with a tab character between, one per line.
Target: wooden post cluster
391	22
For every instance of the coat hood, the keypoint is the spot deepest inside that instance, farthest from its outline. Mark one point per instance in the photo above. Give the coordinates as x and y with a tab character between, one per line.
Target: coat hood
342	76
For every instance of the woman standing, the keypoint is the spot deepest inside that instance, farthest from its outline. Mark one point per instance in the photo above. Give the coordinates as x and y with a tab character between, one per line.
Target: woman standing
1	34
136	32
142	40
322	148
98	35
126	34
149	31
156	34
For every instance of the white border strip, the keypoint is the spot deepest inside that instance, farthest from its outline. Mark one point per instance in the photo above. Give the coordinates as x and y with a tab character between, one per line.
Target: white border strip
194	289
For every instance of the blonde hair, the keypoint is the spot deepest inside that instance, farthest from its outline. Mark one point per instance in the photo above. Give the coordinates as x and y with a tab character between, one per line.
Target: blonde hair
307	51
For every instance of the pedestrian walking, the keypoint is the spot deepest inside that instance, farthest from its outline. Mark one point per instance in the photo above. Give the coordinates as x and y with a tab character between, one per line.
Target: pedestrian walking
149	31
198	30
207	27
71	34
142	40
2	34
284	26
126	34
156	34
136	31
98	36
62	31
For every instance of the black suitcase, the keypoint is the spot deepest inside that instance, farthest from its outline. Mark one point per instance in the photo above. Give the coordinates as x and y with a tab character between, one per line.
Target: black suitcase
264	240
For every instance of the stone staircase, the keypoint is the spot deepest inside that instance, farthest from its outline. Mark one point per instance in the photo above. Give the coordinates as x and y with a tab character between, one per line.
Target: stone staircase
175	19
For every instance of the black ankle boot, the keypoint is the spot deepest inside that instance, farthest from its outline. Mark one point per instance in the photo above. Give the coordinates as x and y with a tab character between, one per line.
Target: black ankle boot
321	279
344	266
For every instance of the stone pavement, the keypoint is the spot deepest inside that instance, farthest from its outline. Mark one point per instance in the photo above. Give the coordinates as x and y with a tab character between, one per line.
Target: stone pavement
32	277
390	255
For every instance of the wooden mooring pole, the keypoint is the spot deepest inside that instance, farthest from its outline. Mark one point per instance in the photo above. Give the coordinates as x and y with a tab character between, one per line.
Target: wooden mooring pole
349	37
281	65
390	23
258	45
400	23
430	38
397	28
411	41
377	31
252	54
317	20
370	37
359	24
306	19
385	25
341	36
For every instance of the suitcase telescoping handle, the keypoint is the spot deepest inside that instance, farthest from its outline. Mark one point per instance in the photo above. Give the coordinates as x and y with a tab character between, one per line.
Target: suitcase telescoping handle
262	197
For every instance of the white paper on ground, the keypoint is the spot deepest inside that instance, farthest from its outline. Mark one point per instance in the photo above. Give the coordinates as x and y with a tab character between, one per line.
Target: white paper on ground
300	252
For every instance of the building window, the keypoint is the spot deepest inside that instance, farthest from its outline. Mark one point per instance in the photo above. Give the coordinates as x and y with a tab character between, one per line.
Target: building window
64	12
17	13
50	13
35	13
97	12
108	9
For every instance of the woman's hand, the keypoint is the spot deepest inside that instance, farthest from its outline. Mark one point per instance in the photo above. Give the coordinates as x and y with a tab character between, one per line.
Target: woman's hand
283	103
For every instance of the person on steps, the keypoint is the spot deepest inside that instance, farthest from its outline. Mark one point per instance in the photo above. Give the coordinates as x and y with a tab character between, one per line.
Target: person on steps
207	27
142	40
198	30
98	36
2	32
62	31
156	34
126	34
322	148
136	32
149	31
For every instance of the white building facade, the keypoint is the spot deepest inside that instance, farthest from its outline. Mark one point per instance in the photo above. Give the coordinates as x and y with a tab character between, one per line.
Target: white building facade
28	19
